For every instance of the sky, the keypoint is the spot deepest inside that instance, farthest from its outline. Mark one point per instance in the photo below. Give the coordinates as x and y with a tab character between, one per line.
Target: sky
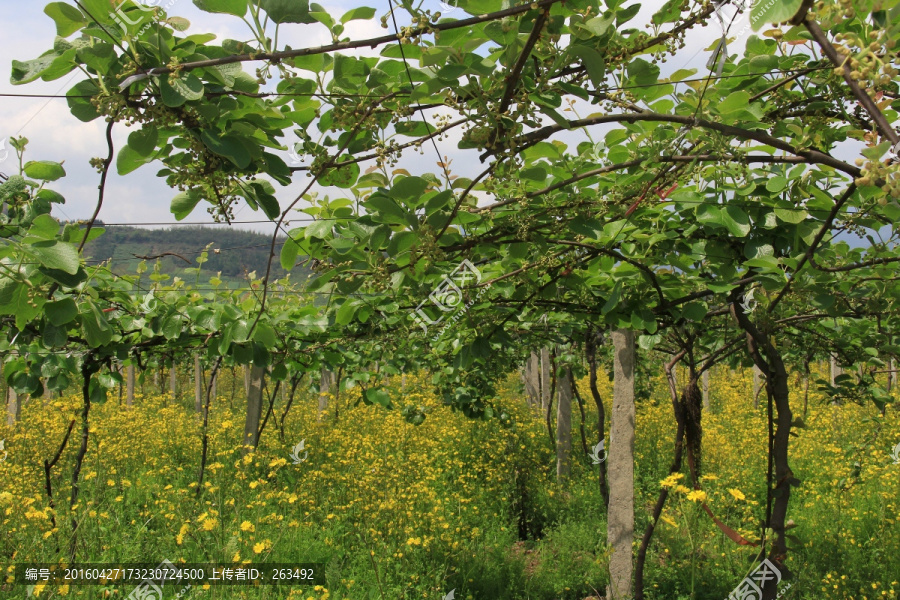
141	197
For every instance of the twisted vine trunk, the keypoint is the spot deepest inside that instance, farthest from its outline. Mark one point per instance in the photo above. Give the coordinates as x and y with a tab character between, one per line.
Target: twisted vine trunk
210	394
88	368
677	408
706	390
198	385
295	381
767	357
688	410
692	413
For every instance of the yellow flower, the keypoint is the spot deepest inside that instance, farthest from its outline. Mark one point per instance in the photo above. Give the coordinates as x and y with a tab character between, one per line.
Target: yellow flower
247	526
669	520
208	524
697	496
671	480
259	547
179	539
738	495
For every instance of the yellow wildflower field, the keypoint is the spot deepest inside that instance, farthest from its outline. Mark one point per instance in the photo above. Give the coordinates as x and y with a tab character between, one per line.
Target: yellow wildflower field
391	510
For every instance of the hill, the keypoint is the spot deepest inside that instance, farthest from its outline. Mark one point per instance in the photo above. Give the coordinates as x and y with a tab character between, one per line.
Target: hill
234	252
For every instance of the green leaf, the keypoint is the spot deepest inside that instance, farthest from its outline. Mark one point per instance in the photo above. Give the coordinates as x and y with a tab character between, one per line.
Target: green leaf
21	304
734	102
597	25
623	15
776	184
412	128
101	10
263	197
736	221
289	252
143	141
593	63
44	227
642	72
378	396
361	12
229	146
319	229
230	7
79	105
68	280
346	312
265	335
287	11
77	234
321	16
9	290
53	336
385	209
682	74
765	263
438	201
30	70
98	393
758	247
94	325
773	11
177	91
109	379
792	215
172	326
876	152
129	160
341	176
44	170
694	311
184	203
68	19
408	189
179	23
61	312
612	301
57	255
